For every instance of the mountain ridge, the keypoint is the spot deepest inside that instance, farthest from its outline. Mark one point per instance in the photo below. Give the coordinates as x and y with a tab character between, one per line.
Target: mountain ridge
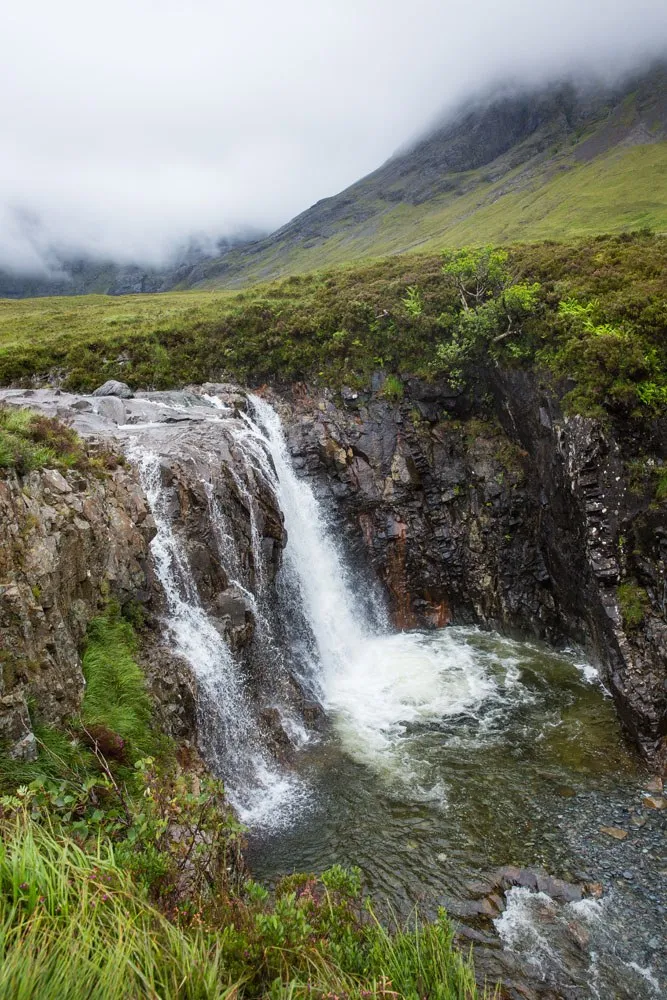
559	161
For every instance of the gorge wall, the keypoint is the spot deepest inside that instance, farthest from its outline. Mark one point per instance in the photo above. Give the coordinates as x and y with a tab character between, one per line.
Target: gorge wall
70	541
502	512
524	520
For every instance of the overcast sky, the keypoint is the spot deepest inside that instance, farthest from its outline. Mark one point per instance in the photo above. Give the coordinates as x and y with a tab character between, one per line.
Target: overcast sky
127	126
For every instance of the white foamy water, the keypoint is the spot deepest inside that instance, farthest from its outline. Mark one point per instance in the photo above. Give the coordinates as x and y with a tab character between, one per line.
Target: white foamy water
261	793
395	681
575	943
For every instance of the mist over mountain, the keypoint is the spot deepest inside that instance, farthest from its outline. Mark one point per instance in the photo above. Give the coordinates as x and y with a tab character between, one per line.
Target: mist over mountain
127	133
515	162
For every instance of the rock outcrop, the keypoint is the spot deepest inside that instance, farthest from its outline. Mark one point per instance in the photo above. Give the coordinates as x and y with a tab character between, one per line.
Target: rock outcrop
67	542
70	542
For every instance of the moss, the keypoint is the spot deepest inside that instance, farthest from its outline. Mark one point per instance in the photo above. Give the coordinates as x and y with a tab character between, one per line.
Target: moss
634	603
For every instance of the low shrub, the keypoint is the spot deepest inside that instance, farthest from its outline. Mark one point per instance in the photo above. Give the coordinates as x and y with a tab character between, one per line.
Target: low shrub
30	440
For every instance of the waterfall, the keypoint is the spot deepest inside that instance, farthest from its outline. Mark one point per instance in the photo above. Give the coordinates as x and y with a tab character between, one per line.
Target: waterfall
227	730
374	682
317	634
334	613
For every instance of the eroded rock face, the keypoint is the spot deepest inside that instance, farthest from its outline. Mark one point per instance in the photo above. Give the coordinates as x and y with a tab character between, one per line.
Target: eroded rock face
70	542
523	521
66	543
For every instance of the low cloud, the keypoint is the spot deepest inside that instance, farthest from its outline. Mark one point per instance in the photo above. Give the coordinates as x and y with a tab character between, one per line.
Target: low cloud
129	129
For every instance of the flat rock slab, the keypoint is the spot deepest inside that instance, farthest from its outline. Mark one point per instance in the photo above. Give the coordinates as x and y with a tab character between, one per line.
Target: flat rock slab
614	831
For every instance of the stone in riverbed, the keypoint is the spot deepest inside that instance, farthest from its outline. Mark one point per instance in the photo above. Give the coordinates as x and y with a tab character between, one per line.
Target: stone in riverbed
614	831
114	388
655	802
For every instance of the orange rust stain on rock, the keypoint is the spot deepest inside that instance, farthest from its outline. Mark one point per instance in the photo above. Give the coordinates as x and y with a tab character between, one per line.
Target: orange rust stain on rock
438	613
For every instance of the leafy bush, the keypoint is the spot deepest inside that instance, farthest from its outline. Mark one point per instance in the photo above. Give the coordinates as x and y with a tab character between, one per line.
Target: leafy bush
493	307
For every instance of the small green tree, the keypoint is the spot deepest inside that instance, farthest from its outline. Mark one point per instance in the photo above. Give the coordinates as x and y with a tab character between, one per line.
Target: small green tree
479	273
493	307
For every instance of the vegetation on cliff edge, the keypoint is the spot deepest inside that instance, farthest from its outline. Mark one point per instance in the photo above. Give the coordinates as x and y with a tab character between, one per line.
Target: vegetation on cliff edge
30	440
596	327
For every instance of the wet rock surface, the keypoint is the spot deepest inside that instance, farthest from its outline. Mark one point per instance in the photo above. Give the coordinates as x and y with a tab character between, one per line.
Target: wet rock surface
520	520
69	542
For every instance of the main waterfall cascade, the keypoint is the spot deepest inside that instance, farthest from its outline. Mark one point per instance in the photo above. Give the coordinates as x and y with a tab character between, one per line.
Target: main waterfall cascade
440	754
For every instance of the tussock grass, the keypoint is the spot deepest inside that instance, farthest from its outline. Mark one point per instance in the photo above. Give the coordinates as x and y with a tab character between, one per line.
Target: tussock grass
73	927
115	697
29	440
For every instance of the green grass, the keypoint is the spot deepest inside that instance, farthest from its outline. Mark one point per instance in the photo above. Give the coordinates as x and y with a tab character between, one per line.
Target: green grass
115	697
634	603
74	925
29	440
116	709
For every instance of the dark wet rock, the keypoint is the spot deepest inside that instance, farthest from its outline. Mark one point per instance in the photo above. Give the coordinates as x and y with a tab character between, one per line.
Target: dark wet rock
536	881
514	516
114	388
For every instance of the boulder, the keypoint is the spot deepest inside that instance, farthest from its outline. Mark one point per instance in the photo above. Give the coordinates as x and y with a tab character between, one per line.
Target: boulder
114	388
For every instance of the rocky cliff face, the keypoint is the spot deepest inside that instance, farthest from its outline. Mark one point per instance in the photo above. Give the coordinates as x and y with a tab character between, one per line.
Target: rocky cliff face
66	544
69	543
523	520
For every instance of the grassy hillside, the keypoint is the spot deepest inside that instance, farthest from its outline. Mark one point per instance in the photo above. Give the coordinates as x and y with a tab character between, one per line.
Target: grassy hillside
559	163
599	318
621	191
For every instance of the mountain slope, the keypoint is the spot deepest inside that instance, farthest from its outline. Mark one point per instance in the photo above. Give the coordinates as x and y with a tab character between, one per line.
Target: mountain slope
558	163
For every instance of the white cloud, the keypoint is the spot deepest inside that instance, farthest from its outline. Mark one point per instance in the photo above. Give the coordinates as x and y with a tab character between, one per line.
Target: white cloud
126	127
